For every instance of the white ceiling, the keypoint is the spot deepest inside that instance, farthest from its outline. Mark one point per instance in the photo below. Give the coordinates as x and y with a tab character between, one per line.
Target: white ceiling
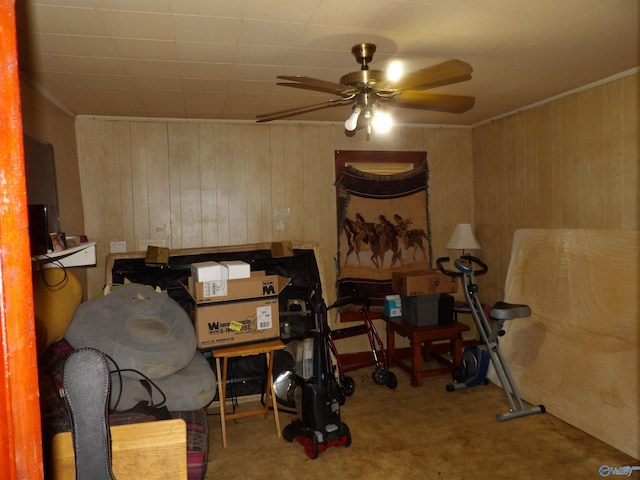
218	59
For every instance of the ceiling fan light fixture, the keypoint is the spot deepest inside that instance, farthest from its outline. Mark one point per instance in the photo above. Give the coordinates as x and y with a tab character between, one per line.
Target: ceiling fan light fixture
352	122
394	87
382	121
395	71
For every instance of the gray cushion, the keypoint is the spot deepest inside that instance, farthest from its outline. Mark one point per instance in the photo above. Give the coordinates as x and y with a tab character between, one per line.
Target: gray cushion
191	388
137	327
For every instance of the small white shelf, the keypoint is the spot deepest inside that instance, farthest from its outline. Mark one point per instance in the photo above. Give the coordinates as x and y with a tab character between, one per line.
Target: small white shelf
81	256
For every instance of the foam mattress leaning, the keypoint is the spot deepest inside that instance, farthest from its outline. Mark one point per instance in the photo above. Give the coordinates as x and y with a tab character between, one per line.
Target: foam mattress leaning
579	352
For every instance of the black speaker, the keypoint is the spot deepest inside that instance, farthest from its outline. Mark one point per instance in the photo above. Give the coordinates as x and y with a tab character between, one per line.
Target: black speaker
445	310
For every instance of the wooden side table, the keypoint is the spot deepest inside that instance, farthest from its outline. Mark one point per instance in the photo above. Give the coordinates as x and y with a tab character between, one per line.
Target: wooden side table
424	335
224	354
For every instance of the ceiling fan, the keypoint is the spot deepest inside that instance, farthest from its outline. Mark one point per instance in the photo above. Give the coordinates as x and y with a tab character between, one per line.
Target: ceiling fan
368	90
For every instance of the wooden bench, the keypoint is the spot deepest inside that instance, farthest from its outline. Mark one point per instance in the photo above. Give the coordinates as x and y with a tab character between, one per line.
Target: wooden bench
149	450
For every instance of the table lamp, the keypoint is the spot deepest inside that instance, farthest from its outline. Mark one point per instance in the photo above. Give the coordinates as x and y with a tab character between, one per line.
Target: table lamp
463	239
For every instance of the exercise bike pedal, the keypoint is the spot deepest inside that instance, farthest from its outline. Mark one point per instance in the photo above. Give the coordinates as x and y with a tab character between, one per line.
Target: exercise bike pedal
458	375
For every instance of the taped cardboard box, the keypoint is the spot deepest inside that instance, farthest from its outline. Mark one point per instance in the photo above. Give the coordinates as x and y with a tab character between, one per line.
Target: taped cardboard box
247	313
236	323
423	282
258	285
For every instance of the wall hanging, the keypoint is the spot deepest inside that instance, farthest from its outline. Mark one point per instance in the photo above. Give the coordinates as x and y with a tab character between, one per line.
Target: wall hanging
383	220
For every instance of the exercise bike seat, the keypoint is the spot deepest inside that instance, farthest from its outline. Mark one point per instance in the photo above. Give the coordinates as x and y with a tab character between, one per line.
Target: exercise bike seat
509	311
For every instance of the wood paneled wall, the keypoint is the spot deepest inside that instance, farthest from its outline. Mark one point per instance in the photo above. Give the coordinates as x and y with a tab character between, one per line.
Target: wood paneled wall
44	120
572	163
195	184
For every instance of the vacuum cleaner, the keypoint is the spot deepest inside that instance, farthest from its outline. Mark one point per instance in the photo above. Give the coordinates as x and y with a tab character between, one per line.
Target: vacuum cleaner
318	424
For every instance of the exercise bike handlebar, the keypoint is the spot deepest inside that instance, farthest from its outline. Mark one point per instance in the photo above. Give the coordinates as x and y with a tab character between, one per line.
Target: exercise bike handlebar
464	264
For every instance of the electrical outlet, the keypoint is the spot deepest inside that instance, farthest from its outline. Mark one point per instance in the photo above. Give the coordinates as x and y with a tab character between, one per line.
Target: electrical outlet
117	246
282	212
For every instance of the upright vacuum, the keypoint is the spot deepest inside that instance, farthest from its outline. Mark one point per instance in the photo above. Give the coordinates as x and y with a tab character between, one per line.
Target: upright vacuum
318	425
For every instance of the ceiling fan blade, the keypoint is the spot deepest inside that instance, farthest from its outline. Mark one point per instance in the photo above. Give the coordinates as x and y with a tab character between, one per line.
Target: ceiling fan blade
314	81
345	91
433	101
446	73
290	112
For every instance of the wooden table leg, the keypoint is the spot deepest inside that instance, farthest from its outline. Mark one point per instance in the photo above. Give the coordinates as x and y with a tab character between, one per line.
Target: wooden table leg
222	383
391	344
416	375
267	390
271	392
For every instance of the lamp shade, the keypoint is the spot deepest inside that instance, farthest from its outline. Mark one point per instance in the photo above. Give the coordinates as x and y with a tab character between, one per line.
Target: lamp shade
463	238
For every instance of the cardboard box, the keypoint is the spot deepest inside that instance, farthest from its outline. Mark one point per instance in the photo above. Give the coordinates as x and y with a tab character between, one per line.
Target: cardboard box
423	282
249	312
209	272
392	306
237	269
157	255
282	249
258	285
212	277
235	323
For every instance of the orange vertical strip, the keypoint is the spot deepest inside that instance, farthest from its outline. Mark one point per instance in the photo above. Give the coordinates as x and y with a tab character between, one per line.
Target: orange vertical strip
20	435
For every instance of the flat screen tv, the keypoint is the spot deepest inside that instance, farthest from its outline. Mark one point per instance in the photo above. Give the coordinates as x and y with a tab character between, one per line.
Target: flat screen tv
39	229
42	194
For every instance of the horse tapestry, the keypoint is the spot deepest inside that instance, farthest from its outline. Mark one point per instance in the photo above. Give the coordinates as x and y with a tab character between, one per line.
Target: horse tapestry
383	227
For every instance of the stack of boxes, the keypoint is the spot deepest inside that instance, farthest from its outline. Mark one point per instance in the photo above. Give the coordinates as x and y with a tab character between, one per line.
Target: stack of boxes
424	297
232	305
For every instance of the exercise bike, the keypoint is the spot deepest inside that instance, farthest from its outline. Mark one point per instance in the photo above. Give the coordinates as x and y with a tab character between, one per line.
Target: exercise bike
474	366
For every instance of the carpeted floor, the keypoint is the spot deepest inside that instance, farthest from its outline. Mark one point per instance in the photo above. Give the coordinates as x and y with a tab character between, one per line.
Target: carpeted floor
416	433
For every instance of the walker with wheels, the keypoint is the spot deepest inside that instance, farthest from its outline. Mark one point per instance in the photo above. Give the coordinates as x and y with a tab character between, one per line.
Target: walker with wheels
381	375
472	371
287	374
